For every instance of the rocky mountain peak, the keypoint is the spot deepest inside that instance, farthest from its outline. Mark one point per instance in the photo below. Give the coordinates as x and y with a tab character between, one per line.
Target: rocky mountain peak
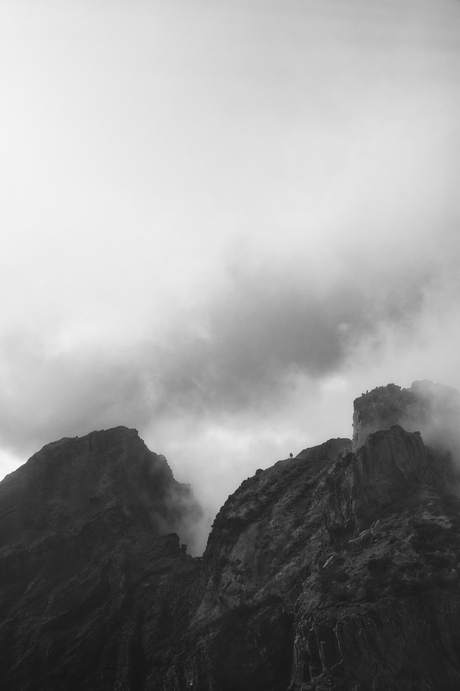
337	569
107	477
432	409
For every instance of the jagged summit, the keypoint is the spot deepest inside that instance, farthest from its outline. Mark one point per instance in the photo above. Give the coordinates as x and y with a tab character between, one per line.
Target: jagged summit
432	409
105	473
75	449
337	569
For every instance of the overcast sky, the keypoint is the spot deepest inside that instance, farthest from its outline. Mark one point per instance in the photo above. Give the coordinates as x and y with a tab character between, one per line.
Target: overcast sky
223	220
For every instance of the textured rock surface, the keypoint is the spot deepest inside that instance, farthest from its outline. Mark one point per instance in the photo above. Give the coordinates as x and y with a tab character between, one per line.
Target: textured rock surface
84	562
432	409
332	570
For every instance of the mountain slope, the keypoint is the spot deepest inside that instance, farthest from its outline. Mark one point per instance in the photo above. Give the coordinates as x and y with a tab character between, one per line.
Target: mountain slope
84	559
337	569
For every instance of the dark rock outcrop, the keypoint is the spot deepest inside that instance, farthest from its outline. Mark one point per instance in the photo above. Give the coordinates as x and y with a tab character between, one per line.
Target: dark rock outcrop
85	563
318	575
432	409
337	569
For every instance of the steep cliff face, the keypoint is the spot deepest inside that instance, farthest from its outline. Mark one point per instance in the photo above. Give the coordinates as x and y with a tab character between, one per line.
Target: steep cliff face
262	547
387	613
432	409
334	570
337	569
84	561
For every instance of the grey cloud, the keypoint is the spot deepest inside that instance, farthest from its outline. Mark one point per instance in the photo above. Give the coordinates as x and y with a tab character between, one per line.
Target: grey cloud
439	425
265	327
273	324
47	397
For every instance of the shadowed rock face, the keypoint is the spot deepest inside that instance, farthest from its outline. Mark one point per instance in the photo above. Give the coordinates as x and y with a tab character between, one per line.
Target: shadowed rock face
432	409
84	561
102	480
332	570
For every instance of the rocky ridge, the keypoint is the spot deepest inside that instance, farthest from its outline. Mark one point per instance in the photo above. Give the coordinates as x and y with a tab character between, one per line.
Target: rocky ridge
432	409
337	569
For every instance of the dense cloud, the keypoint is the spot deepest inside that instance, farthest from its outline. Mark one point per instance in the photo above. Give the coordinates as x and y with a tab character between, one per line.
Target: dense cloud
266	362
265	344
273	324
441	425
225	224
